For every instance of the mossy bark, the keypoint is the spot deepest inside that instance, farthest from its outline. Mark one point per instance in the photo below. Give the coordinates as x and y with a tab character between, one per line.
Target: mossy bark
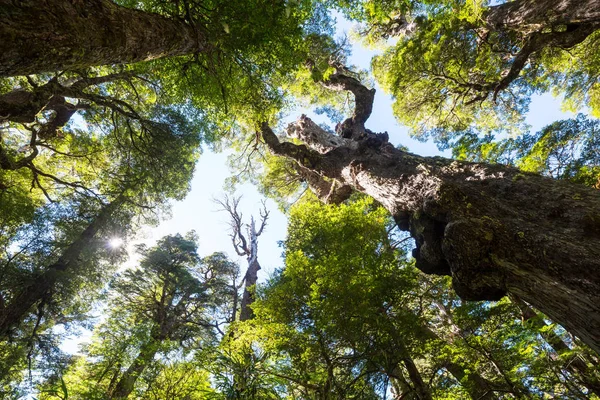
535	14
51	35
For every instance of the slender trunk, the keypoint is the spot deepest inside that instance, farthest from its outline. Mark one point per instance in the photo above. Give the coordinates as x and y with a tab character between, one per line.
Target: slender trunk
535	14
494	229
67	264
416	386
476	385
246	312
575	365
51	35
126	383
421	389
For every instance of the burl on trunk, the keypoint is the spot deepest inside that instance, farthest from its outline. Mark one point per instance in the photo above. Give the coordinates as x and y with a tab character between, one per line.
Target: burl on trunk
493	228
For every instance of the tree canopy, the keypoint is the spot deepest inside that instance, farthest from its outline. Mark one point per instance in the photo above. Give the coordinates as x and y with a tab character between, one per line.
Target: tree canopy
402	276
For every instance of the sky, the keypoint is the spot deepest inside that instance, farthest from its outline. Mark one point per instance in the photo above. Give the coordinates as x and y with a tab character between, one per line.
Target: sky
200	213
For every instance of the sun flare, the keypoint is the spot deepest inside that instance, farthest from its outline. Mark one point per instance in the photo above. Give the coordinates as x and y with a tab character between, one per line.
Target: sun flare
115	242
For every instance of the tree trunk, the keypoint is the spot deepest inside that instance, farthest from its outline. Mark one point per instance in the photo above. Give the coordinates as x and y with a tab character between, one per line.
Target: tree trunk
416	386
531	15
494	229
246	312
51	35
25	299
127	381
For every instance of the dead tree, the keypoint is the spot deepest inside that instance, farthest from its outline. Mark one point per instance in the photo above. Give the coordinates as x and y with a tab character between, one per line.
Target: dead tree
245	245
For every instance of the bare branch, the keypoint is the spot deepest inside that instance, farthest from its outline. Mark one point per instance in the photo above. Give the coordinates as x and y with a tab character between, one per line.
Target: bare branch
353	127
264	215
238	239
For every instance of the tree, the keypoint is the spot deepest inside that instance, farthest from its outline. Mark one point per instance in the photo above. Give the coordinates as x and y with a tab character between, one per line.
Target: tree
167	304
100	32
133	182
475	222
81	35
340	315
462	63
245	245
566	149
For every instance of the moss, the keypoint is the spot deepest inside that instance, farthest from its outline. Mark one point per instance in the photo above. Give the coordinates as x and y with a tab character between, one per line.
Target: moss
518	177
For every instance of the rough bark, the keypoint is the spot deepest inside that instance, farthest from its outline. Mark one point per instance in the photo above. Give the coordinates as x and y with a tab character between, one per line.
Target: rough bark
21	304
493	228
22	106
51	35
533	14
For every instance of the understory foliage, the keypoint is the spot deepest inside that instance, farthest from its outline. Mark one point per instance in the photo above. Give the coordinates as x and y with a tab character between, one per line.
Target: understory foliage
347	321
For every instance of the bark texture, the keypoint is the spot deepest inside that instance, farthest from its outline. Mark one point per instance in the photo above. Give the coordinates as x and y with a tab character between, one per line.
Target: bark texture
51	35
493	228
533	14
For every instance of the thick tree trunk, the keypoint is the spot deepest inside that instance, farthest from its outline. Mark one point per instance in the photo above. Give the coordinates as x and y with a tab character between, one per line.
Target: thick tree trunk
494	229
51	35
415	389
126	383
535	14
32	293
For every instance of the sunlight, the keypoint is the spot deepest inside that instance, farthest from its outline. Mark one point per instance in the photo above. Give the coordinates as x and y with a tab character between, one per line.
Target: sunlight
115	242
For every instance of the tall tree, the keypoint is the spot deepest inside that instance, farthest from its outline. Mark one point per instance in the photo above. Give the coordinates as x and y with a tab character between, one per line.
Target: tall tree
54	35
245	245
84	34
475	222
167	303
461	63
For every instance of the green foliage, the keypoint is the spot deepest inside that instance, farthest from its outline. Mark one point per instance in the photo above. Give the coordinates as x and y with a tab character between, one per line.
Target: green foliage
348	321
566	149
166	306
449	69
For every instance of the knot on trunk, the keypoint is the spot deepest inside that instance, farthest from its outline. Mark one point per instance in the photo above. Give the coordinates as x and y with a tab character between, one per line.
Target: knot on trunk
428	234
467	246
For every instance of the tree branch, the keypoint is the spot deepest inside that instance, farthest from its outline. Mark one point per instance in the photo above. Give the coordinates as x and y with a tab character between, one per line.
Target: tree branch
353	127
